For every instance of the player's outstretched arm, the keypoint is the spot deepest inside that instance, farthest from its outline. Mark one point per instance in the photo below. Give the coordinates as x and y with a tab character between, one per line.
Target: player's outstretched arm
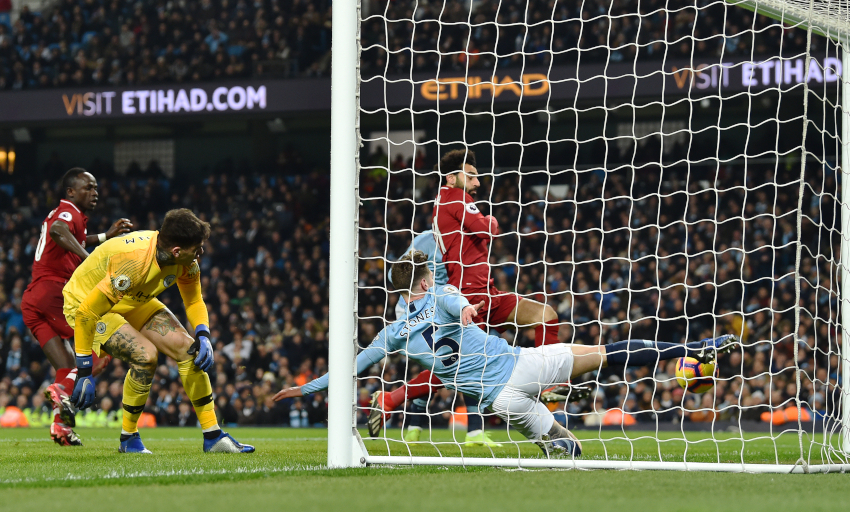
119	227
61	234
372	354
90	311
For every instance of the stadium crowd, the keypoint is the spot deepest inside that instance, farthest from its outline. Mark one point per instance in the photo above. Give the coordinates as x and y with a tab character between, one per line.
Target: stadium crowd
122	42
629	255
618	257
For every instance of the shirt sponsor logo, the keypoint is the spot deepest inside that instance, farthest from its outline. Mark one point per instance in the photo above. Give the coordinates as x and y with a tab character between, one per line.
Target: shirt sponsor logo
169	280
121	283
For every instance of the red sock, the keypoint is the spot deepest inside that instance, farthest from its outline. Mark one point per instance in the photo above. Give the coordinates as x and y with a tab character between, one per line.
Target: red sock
419	386
546	334
65	377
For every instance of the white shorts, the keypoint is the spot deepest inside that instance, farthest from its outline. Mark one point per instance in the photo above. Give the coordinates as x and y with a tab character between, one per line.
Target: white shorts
536	370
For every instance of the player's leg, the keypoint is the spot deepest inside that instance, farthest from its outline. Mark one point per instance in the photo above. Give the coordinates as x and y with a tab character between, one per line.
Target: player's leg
544	319
475	433
535	421
170	338
124	342
384	403
60	355
646	353
414	420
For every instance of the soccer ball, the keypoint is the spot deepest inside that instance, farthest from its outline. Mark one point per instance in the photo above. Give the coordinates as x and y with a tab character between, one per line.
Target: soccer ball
694	376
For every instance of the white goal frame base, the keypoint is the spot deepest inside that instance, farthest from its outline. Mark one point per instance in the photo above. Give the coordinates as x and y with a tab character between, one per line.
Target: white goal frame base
607	464
518	463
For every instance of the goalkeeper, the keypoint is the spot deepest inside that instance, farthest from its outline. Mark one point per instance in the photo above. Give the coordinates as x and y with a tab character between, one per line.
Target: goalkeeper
110	302
508	380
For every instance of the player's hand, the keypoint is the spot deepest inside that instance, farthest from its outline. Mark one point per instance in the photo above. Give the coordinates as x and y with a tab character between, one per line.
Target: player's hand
120	227
494	224
470	312
202	347
83	396
288	393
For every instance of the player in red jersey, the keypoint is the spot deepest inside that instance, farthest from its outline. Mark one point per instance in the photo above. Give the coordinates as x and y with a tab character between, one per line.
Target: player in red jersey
60	249
463	237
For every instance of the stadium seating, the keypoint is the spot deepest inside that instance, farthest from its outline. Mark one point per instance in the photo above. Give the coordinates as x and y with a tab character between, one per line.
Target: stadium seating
265	279
152	42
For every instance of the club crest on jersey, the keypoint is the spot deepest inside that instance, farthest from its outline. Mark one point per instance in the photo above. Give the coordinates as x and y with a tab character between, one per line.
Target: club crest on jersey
66	216
121	283
100	327
169	280
471	208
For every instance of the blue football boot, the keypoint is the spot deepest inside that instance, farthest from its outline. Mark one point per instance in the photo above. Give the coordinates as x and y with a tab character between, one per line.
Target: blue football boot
133	445
713	346
225	443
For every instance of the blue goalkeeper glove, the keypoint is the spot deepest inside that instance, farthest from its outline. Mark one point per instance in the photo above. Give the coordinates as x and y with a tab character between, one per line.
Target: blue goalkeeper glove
203	347
83	395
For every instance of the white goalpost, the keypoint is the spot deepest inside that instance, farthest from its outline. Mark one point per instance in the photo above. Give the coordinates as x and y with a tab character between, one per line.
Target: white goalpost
665	170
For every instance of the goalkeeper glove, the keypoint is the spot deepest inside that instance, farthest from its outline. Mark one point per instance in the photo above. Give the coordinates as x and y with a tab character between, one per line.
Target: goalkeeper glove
203	347
84	395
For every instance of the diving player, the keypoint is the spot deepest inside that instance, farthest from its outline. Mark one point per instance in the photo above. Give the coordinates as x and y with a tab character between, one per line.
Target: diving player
111	304
475	434
439	333
61	247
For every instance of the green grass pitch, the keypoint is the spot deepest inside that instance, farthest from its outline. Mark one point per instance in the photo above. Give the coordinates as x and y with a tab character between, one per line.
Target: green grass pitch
286	474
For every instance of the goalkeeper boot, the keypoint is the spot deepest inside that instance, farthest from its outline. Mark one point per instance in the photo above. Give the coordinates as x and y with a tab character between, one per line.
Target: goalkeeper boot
64	436
133	444
413	434
480	438
58	398
568	393
711	347
377	415
225	443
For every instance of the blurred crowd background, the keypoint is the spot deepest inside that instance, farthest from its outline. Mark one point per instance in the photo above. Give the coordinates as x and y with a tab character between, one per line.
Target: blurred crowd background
679	255
123	42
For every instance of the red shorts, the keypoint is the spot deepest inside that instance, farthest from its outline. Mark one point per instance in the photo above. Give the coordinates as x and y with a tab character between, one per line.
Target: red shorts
41	307
498	306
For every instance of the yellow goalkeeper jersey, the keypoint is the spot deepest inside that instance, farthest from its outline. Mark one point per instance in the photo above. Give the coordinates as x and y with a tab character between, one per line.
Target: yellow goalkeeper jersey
121	275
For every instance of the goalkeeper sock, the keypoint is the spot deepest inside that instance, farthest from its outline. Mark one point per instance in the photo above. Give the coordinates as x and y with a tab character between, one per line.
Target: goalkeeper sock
647	353
546	333
418	387
197	385
417	413
134	400
473	417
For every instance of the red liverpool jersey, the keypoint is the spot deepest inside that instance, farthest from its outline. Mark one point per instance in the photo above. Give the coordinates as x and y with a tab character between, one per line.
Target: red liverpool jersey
51	261
463	235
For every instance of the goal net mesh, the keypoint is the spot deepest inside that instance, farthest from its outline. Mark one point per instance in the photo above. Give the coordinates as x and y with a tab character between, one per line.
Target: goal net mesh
664	170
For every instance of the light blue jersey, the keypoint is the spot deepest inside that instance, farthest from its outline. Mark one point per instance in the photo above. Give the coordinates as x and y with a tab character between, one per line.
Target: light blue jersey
426	243
463	358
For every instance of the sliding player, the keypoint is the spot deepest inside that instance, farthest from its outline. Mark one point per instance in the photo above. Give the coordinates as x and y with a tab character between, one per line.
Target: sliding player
506	379
475	434
463	234
111	303
61	247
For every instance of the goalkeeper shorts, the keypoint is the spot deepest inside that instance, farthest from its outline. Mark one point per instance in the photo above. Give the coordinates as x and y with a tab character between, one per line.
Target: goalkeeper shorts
111	322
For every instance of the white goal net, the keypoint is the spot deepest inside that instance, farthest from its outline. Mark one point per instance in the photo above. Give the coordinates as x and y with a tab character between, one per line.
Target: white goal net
662	170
